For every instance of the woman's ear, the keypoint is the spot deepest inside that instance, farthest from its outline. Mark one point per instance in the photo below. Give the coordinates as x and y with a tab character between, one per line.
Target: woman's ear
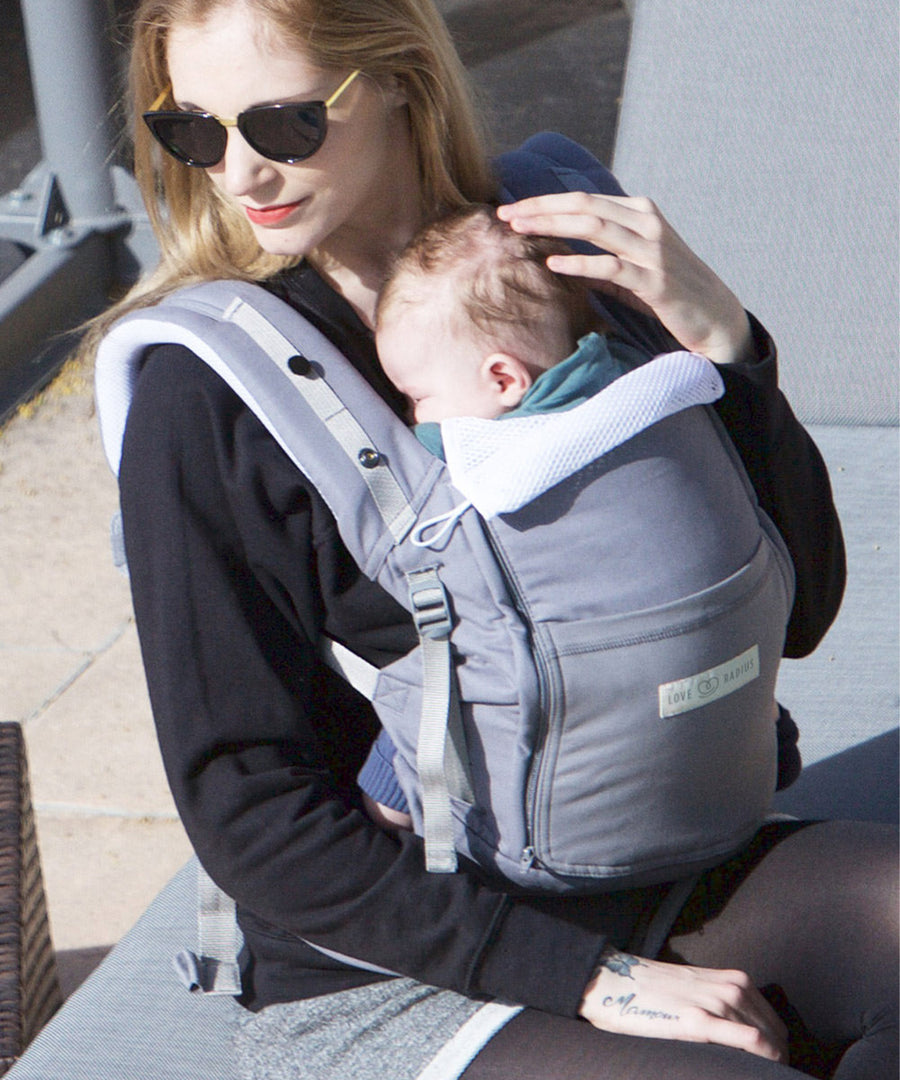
393	90
508	379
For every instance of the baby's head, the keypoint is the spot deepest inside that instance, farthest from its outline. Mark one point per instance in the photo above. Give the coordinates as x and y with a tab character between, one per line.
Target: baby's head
470	315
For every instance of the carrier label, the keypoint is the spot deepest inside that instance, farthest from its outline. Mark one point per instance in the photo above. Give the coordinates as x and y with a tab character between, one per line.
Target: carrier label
683	695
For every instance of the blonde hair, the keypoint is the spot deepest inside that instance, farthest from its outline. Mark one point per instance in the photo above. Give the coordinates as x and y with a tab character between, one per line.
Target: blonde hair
501	289
201	235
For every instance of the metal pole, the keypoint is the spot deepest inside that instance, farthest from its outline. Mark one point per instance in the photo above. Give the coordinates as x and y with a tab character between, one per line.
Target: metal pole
77	217
72	75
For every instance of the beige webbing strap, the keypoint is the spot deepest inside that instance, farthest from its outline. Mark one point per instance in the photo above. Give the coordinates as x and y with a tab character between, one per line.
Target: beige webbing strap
393	506
439	759
359	673
213	969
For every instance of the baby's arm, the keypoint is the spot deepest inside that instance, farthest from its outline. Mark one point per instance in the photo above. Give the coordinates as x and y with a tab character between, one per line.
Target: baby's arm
385	816
383	797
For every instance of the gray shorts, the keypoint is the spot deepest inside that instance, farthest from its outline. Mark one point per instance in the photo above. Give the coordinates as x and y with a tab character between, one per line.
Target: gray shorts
393	1030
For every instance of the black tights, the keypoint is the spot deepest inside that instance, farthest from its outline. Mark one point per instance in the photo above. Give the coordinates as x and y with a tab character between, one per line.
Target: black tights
813	922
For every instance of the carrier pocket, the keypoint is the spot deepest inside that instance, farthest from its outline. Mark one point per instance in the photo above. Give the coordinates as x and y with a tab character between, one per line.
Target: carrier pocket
660	752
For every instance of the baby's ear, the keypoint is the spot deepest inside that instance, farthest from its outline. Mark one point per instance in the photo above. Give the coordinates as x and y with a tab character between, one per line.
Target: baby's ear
509	378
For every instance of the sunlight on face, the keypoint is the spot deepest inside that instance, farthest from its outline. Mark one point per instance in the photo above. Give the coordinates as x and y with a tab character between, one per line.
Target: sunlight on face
348	191
442	374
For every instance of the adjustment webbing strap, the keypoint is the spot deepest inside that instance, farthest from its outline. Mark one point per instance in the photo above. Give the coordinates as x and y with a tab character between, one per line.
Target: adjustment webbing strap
213	969
439	759
393	506
359	673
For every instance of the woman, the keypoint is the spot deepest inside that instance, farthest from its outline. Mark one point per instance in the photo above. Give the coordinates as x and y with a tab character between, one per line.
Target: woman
236	569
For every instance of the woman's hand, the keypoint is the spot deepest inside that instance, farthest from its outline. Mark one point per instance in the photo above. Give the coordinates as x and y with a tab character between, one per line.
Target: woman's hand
652	999
648	266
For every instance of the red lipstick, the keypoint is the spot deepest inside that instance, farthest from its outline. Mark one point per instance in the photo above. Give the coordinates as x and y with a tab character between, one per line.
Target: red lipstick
270	215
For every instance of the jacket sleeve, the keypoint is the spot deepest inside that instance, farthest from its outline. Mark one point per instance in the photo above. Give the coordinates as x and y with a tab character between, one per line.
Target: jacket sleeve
792	485
234	569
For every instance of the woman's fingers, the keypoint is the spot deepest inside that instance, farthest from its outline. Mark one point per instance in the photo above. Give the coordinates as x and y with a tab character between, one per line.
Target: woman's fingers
631	211
746	1037
642	261
624	227
734	998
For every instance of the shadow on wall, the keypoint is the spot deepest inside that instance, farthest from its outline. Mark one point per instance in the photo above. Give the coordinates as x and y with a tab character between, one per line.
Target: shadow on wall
484	29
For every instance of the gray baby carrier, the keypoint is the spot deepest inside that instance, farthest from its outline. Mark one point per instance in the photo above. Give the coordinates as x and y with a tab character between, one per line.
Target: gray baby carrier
601	604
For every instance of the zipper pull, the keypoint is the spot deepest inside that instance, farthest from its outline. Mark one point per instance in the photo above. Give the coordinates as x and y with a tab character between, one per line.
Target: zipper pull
526	859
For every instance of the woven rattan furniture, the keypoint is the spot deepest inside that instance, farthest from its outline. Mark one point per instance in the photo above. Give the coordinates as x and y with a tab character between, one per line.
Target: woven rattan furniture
29	990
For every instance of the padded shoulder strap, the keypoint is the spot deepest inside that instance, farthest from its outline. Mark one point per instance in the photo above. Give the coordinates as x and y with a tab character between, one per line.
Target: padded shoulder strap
276	361
374	481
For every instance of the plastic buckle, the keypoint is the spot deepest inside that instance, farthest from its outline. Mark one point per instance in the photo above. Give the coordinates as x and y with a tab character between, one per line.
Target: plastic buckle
430	605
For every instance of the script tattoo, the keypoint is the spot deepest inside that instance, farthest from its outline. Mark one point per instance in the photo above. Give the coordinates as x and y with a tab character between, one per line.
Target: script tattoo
627	1004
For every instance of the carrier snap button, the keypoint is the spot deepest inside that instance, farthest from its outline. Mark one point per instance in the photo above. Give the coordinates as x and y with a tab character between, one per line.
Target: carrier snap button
369	458
299	364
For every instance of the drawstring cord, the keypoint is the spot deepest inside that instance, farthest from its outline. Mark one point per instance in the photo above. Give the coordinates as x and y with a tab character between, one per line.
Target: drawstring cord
446	521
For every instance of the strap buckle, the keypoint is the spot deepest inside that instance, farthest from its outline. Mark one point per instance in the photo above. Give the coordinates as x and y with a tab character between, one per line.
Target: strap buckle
430	605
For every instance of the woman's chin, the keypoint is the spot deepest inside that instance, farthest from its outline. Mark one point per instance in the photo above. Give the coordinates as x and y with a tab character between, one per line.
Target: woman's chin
283	242
293	239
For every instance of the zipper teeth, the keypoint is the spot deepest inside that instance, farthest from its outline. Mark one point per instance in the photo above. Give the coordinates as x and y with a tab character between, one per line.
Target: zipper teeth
544	690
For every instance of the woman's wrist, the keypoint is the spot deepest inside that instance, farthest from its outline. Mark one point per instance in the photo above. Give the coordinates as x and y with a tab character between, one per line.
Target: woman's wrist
612	991
613	965
738	344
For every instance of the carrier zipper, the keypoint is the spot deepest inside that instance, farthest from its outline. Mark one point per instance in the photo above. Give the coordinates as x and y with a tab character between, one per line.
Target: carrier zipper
528	855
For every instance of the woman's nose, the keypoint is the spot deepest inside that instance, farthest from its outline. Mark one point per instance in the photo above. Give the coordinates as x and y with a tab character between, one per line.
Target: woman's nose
242	170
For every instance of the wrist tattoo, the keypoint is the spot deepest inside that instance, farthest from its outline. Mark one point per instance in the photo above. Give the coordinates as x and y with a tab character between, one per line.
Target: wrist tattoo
620	963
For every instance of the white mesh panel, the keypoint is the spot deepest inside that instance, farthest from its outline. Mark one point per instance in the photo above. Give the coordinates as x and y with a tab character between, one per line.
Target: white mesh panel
501	466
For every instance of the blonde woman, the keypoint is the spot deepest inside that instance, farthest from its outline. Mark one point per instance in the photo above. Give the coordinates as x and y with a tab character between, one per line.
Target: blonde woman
300	144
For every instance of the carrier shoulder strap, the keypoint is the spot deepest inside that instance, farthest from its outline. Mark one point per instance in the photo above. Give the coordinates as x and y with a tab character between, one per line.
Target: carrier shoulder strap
274	359
229	325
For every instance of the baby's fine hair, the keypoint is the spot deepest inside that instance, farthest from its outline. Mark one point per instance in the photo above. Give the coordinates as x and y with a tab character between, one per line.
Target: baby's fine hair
500	282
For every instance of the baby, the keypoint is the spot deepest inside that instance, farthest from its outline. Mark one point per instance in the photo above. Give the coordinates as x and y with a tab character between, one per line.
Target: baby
471	322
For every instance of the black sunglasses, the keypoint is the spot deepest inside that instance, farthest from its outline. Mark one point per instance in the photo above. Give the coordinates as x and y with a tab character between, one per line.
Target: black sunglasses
287	133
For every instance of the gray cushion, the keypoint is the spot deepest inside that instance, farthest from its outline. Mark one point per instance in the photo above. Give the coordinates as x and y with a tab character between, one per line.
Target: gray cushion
767	133
133	1019
845	696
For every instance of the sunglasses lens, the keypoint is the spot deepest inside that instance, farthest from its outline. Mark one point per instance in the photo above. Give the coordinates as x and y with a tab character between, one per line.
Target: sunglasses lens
194	140
285	133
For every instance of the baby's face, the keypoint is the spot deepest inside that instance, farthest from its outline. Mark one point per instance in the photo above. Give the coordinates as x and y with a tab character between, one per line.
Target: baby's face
441	376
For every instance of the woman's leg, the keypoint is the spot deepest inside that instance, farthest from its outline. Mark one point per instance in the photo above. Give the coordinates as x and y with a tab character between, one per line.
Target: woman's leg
537	1046
813	920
